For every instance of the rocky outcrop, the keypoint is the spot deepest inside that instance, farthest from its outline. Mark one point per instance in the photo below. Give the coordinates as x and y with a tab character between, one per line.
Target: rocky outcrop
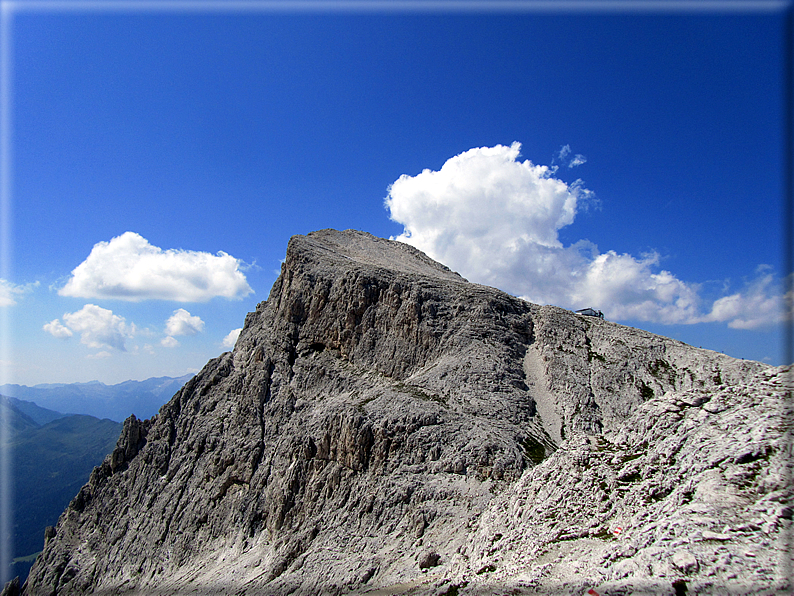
383	426
693	487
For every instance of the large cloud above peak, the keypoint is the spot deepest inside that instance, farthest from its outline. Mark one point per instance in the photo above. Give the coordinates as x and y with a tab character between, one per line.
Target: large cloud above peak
483	195
496	220
129	268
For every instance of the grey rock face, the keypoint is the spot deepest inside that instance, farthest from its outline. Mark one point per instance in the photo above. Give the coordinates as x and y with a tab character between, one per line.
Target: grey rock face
692	486
383	426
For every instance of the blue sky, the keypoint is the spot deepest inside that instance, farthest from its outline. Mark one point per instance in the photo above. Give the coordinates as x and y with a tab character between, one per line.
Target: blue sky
150	149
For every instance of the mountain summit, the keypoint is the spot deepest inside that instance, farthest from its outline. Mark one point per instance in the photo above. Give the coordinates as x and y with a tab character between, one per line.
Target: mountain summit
383	426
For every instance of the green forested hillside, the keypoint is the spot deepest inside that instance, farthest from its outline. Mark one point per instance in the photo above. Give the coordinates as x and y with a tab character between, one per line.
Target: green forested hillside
51	461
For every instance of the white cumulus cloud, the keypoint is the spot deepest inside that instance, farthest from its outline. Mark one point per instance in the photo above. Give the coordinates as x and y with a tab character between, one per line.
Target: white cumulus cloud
98	327
231	338
129	268
183	323
496	220
56	329
762	303
169	342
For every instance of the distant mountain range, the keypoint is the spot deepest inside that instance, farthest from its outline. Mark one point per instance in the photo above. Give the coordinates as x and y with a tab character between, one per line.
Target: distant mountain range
116	402
53	455
59	433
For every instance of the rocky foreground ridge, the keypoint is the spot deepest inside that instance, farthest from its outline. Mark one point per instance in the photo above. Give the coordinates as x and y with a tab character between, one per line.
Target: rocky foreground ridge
383	426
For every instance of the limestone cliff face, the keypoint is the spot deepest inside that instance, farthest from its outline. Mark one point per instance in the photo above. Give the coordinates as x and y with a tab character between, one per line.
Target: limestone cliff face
384	426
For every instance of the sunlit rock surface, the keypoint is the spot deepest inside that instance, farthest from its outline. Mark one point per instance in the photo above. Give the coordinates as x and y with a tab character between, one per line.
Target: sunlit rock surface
385	427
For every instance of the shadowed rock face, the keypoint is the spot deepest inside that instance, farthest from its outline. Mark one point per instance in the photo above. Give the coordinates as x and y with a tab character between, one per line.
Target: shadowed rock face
384	426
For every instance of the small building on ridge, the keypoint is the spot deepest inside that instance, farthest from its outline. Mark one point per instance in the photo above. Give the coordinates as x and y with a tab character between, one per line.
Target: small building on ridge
590	312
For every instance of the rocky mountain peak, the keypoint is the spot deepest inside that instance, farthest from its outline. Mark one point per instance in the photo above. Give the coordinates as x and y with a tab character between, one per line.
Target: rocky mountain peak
383	426
329	247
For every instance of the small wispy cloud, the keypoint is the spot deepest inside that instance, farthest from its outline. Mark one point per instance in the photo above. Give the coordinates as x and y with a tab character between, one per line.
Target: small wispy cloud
10	292
129	268
563	155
